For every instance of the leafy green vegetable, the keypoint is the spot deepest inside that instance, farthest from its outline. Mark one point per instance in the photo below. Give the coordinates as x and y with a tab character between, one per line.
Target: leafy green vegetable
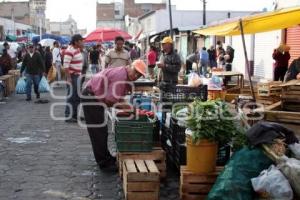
212	120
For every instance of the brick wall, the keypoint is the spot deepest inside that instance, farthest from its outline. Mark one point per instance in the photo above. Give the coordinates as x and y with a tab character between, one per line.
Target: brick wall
135	10
105	12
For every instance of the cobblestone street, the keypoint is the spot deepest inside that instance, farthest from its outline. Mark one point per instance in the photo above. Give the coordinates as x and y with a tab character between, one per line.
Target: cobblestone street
46	159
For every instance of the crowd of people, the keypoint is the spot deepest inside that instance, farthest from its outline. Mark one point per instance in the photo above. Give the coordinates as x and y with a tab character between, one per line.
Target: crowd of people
213	58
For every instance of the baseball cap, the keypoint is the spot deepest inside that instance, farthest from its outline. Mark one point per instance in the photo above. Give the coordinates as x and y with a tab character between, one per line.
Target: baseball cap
140	66
167	40
76	38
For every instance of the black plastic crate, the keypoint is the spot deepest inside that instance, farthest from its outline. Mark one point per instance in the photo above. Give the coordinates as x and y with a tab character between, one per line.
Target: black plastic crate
184	94
178	132
166	134
180	154
223	155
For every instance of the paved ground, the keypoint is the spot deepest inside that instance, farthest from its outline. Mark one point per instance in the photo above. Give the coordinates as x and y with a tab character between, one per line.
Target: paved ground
46	159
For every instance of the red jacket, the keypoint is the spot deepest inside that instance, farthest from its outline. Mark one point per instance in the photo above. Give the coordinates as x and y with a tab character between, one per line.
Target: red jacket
151	57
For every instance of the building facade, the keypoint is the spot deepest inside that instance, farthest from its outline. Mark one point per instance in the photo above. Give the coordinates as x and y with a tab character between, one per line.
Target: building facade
113	14
68	27
30	12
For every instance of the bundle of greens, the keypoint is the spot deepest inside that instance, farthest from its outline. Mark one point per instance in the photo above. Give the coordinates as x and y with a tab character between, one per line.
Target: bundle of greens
212	120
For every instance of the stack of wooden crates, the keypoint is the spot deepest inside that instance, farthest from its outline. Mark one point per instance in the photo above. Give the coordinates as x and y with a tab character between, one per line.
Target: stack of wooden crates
291	96
195	186
269	93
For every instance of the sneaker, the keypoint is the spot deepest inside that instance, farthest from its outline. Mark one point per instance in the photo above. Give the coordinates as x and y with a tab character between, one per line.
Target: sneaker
28	99
38	96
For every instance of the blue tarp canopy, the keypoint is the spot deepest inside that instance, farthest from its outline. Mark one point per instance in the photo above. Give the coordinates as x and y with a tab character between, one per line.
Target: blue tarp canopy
60	39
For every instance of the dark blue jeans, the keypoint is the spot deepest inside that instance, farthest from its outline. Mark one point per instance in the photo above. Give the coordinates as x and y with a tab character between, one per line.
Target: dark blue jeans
35	79
73	99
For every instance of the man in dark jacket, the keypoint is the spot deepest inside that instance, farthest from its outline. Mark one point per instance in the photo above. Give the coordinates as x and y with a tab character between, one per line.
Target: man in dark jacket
34	66
171	63
293	71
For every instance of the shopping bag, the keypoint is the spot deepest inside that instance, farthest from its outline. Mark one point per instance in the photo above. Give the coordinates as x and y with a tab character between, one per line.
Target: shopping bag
273	184
21	86
51	74
194	80
43	85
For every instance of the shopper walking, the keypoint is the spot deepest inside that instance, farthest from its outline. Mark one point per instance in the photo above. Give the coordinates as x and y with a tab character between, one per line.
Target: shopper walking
73	62
56	60
94	57
34	67
118	56
48	59
105	90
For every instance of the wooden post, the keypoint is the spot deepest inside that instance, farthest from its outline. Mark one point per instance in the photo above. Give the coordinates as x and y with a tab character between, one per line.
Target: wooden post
247	60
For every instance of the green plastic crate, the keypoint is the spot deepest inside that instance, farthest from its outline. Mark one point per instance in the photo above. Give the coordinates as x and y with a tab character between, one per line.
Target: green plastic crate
134	135
127	146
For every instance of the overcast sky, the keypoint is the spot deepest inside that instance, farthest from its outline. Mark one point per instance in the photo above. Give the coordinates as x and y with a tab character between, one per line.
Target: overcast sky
84	11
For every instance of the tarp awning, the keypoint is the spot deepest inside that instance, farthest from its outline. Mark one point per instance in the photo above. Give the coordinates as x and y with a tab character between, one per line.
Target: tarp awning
264	22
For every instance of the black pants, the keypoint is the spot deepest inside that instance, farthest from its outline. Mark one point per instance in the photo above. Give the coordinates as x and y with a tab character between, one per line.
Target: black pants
95	116
189	66
279	73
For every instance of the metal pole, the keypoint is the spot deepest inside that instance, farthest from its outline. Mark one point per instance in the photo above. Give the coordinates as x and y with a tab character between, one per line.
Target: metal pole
246	59
170	16
40	23
204	12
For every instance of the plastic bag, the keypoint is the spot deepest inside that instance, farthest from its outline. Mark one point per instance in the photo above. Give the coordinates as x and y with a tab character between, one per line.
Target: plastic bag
51	74
43	85
21	86
290	167
194	80
295	148
273	183
235	181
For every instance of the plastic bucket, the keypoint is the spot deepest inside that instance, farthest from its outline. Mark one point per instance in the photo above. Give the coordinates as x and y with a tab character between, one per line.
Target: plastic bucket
202	156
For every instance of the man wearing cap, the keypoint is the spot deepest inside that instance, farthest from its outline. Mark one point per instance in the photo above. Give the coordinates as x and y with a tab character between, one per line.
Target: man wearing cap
34	66
107	89
118	56
170	64
73	63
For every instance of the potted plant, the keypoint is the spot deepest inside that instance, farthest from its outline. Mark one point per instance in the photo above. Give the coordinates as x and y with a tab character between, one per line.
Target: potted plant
209	123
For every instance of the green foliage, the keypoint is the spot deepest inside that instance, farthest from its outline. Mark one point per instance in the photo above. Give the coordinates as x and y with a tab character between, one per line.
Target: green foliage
212	120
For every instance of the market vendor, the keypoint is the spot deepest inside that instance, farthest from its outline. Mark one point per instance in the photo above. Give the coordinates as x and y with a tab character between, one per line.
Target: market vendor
107	89
170	64
293	71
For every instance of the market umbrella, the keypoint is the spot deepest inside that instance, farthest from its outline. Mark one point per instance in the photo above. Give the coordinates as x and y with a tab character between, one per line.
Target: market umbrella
106	34
47	42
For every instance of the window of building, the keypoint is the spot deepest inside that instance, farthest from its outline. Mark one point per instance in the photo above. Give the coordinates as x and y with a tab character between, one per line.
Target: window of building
117	12
146	7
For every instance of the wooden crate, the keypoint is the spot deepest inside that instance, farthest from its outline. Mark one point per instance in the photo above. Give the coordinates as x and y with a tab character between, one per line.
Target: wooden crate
274	113
290	97
9	83
158	155
196	186
272	88
140	180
